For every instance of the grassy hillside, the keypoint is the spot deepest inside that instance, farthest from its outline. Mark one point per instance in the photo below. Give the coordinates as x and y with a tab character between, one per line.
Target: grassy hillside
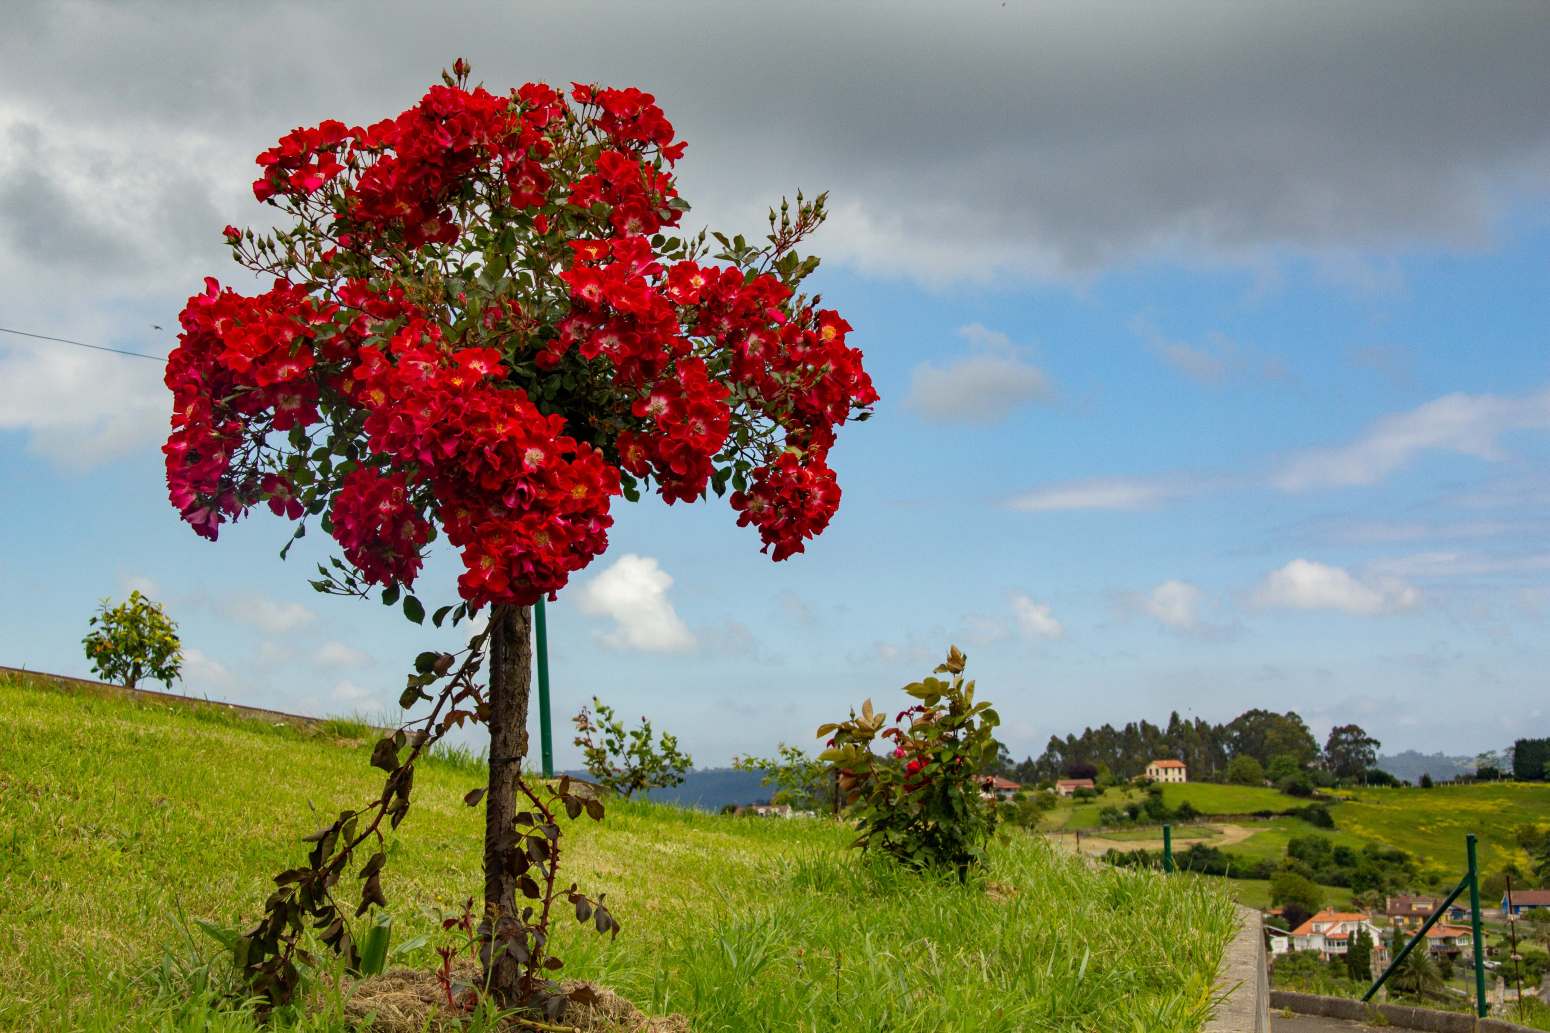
1431	823
120	822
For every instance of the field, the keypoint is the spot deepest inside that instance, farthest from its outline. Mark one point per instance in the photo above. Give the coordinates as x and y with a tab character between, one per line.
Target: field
1430	824
121	823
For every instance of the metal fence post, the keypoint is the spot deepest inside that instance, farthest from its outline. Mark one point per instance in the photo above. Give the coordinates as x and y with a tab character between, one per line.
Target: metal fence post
1167	848
545	738
1482	1007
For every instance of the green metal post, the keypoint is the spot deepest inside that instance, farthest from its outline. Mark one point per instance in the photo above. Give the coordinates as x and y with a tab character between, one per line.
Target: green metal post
1167	848
1419	937
545	739
1481	1006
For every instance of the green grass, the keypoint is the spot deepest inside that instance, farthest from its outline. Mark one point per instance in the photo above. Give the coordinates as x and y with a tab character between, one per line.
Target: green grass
1432	823
121	823
1214	799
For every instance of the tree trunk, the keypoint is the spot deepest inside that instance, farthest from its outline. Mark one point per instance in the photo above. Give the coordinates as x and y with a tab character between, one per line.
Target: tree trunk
511	666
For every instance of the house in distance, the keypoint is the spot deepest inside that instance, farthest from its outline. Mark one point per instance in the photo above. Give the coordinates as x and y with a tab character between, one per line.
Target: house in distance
1167	771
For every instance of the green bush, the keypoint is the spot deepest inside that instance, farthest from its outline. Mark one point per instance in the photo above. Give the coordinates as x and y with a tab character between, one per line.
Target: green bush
1245	771
921	806
1288	887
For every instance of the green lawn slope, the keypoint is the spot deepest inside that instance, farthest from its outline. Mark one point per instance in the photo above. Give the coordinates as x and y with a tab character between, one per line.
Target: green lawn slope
122	821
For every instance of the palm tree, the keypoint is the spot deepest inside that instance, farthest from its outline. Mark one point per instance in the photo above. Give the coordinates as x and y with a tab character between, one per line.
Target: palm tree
1418	974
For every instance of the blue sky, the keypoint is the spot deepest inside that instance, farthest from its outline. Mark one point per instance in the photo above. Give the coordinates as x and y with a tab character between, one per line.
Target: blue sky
1212	349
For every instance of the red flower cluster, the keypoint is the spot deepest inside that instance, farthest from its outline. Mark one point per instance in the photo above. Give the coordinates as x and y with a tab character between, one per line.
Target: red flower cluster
440	434
412	167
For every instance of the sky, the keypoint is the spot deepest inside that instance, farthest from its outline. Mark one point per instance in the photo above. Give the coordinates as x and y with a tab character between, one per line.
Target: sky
1211	342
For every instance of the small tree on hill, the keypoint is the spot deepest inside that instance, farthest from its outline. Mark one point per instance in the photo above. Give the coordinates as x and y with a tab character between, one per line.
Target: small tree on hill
484	325
134	640
1350	751
1289	888
628	762
1246	771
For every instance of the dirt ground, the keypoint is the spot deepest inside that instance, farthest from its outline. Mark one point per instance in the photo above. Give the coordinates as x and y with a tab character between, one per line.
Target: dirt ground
1228	835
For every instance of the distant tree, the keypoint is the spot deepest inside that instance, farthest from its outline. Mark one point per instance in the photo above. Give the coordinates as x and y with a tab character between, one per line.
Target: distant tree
1082	769
1379	777
1358	957
1417	974
1282	766
1488	765
1350	751
1529	757
134	640
628	762
1262	735
1299	784
1288	888
1245	771
1294	914
1426	780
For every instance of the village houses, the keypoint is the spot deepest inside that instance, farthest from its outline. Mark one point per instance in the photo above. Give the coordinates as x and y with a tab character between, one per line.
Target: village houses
1167	771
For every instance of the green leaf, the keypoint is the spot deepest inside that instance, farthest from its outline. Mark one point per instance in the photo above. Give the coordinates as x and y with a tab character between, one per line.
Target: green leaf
374	948
390	595
439	615
414	609
227	938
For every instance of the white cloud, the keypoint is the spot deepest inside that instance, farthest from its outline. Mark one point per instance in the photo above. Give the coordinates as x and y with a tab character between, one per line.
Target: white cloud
633	591
915	654
205	676
1173	603
982	631
351	693
80	408
337	654
1036	619
1466	424
1458	564
985	387
245	606
130	581
1104	493
1309	585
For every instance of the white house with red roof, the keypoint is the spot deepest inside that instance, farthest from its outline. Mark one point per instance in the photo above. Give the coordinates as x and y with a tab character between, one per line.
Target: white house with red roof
1168	770
1331	932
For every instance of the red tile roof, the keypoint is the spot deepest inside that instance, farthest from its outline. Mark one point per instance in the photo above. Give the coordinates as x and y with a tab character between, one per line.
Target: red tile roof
1168	763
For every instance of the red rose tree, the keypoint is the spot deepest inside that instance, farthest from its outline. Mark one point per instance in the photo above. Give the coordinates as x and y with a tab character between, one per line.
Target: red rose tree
485	324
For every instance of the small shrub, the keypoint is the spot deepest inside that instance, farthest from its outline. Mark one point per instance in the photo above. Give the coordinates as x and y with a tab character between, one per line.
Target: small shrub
1296	784
1288	887
1186	812
799	780
1245	771
134	640
921	805
629	762
1084	793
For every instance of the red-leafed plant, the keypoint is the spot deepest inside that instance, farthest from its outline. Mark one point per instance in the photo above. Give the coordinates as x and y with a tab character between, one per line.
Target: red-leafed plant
484	325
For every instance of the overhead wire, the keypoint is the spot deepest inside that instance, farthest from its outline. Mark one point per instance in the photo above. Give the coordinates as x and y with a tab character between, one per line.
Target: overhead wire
83	344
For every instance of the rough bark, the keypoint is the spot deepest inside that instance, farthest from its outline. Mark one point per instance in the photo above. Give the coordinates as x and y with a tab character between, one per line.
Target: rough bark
511	666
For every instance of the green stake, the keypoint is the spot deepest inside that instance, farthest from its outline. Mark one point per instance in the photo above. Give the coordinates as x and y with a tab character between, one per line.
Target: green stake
545	739
1482	1006
1167	848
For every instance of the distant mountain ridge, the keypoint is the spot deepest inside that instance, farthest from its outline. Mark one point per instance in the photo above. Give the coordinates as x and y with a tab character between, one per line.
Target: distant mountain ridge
1412	764
709	789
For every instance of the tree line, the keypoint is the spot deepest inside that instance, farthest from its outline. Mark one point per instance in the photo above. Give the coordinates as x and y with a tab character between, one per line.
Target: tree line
1207	750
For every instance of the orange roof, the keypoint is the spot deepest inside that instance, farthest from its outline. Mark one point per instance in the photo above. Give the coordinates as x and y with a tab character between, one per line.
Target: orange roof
1168	763
1006	783
1447	930
1078	782
1326	916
